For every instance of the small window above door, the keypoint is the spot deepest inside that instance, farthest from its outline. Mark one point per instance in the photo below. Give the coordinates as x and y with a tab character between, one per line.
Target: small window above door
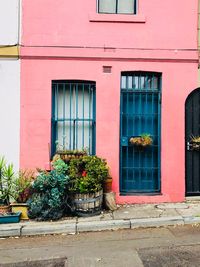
117	6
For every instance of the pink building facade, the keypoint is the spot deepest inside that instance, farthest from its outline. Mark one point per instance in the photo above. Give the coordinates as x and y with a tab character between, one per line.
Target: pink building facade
93	79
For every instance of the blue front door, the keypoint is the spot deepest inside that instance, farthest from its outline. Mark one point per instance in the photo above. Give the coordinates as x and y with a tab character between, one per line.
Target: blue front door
139	115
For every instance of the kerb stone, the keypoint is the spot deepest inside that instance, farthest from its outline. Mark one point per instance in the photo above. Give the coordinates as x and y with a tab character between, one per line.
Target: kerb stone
10	230
103	225
191	220
50	228
58	262
157	222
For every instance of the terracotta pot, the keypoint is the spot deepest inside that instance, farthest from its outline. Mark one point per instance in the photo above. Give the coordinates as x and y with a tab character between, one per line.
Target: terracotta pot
4	209
107	185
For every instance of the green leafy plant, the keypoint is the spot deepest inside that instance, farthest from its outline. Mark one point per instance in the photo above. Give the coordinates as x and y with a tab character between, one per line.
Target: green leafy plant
7	178
49	193
23	185
87	174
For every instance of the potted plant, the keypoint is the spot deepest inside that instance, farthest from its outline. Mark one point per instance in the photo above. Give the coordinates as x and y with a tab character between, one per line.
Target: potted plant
144	140
48	201
107	184
7	177
22	192
195	142
10	217
86	176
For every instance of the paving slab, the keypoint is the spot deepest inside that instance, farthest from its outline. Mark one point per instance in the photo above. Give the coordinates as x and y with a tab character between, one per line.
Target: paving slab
157	222
103	225
193	210
137	211
169	213
48	228
10	230
172	206
102	217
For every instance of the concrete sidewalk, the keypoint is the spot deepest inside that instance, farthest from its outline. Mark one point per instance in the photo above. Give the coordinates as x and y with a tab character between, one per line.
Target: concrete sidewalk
125	217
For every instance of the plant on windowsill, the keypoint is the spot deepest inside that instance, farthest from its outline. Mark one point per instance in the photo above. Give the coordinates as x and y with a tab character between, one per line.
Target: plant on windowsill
22	193
195	142
86	176
144	140
66	154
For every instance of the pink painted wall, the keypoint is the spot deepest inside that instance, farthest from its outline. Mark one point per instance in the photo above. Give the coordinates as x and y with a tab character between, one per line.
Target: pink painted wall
166	50
36	115
168	24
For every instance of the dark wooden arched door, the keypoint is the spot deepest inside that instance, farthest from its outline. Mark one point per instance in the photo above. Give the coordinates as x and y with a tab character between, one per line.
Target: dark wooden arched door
192	129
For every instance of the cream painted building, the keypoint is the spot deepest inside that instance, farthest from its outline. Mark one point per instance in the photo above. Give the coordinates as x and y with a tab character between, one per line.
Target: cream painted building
10	80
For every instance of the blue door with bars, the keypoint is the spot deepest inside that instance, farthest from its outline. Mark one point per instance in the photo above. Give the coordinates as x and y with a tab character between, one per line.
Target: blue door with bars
140	114
73	116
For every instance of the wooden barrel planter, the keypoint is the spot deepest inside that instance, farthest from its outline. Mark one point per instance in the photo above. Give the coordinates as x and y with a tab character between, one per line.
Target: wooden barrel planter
85	205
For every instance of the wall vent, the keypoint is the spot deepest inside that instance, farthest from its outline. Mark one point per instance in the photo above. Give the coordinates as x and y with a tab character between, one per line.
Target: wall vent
107	69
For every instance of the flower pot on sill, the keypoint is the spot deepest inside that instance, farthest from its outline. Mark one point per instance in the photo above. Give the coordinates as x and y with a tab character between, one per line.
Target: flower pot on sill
10	217
68	155
22	208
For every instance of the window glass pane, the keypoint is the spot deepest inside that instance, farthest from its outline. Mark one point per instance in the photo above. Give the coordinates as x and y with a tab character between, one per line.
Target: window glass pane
130	82
107	6
125	6
123	82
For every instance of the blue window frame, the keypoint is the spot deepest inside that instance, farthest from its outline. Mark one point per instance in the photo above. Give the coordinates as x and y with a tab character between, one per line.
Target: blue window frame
73	115
117	6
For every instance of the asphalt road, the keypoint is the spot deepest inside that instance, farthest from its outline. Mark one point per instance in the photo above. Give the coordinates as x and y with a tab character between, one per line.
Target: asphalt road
156	247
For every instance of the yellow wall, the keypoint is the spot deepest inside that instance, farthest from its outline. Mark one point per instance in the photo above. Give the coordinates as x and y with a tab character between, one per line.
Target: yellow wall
9	51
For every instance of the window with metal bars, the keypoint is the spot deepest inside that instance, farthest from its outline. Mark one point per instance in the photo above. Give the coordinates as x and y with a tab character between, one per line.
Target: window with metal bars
73	115
117	6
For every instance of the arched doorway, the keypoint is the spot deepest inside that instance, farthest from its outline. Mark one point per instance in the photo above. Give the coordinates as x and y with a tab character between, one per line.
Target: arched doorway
192	155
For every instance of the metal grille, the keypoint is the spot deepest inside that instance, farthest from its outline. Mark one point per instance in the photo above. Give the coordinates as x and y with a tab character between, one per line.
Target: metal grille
140	113
73	115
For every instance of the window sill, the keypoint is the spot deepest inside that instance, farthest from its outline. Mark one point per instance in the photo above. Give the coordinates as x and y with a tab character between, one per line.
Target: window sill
117	18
